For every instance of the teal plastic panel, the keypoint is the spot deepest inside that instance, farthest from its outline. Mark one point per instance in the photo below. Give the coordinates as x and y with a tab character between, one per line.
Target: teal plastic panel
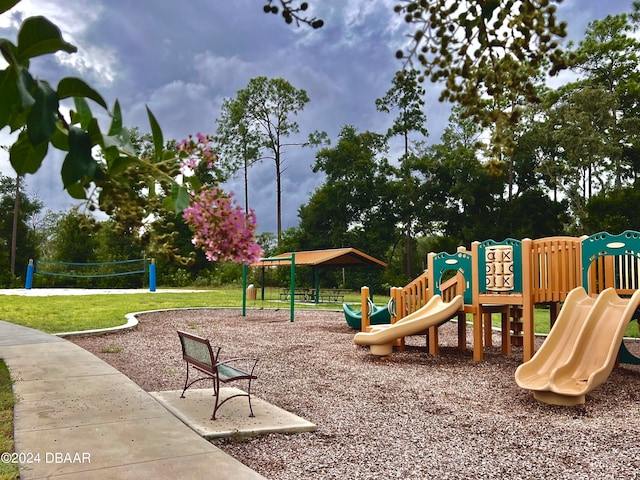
459	261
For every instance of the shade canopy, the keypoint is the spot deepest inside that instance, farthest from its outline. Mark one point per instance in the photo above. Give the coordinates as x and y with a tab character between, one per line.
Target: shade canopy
333	257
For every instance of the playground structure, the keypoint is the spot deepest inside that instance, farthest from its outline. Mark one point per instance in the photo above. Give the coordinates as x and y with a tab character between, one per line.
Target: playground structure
510	278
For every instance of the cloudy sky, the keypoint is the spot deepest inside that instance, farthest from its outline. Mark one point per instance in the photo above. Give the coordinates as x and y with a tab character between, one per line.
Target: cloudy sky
183	58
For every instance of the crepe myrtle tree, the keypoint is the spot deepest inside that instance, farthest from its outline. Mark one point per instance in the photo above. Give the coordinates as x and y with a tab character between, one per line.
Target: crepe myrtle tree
163	177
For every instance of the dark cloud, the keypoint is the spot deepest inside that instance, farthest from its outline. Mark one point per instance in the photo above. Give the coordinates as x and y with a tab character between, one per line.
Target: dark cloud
181	59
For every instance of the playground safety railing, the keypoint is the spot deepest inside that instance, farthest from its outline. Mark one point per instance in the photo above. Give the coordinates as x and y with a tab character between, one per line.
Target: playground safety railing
555	270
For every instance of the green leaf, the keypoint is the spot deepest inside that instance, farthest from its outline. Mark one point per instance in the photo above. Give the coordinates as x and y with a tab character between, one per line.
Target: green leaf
60	138
194	182
94	132
76	190
9	52
116	120
180	198
167	203
42	118
70	87
38	36
83	113
25	82
78	162
8	96
7	5
24	157
156	133
120	164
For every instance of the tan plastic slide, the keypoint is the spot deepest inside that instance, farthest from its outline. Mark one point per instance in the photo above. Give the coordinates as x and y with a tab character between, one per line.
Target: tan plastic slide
381	337
581	349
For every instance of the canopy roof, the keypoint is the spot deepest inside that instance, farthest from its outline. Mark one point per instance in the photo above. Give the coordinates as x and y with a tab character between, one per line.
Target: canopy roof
334	257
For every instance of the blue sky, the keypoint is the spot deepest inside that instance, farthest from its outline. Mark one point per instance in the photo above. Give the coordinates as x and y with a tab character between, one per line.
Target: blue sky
181	59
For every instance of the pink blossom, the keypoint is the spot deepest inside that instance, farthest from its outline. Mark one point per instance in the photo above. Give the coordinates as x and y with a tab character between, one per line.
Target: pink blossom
192	151
221	227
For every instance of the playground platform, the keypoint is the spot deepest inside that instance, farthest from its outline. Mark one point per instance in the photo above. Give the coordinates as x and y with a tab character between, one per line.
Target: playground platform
78	417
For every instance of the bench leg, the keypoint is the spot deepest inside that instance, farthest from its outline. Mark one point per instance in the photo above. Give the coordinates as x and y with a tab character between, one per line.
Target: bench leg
249	395
216	393
186	383
218	403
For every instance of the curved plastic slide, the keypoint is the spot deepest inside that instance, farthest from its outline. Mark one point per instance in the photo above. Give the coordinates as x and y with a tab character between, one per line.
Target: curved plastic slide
435	312
379	316
581	349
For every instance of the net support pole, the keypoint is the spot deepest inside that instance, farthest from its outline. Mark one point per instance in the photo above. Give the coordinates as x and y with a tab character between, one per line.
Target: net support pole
152	275
29	281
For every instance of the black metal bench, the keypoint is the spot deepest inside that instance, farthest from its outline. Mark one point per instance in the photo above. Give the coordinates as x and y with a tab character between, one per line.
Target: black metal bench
199	354
333	296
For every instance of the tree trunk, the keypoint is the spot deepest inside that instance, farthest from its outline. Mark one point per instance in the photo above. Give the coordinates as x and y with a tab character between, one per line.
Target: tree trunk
14	234
278	197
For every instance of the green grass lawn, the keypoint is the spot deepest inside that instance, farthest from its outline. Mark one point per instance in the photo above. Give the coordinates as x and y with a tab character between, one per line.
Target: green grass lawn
56	314
8	471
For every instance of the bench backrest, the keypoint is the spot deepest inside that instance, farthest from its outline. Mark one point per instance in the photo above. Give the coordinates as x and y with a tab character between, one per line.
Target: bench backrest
198	351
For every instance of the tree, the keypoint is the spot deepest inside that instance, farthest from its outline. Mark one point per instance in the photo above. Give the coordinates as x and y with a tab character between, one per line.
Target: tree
236	142
406	96
260	119
612	211
291	12
459	193
608	57
356	204
16	227
591	124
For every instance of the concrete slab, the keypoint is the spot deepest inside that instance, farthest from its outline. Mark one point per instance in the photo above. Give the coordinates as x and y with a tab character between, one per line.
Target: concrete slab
18	335
233	417
80	410
117	444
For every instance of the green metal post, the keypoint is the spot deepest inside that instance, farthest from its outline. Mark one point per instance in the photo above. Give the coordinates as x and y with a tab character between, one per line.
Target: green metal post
293	285
244	289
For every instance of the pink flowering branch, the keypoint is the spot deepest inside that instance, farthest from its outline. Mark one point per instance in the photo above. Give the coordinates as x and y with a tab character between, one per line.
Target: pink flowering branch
193	151
221	227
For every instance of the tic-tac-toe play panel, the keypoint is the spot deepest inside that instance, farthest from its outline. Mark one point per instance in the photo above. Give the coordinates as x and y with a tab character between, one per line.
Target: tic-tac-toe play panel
498	288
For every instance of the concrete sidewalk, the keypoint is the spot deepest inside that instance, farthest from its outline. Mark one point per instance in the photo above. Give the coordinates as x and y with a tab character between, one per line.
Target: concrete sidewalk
77	417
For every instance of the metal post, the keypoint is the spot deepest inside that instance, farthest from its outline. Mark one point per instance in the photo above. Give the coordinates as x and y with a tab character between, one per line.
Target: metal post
293	285
29	281
244	289
152	275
